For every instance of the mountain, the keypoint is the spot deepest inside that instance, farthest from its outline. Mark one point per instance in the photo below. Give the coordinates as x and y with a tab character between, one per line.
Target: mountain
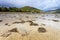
54	11
57	11
51	9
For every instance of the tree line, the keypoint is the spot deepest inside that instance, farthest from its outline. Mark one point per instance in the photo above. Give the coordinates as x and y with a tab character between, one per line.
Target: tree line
10	9
23	9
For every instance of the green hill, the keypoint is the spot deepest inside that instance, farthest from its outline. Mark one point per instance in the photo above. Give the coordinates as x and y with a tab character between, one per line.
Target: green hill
22	9
30	9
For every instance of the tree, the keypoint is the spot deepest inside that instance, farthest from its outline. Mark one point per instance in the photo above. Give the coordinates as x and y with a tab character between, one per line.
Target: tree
0	9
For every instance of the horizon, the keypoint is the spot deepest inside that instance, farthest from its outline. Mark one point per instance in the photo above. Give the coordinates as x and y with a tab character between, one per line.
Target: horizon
44	5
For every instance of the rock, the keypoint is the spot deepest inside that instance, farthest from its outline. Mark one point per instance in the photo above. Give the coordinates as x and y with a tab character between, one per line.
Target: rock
18	22
1	20
34	24
29	21
13	30
55	20
7	24
41	30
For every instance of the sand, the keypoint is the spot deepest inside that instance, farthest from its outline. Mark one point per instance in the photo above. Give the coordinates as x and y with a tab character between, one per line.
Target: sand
26	26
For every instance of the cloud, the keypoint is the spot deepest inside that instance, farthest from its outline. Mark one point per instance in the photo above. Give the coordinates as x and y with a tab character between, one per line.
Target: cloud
50	4
41	4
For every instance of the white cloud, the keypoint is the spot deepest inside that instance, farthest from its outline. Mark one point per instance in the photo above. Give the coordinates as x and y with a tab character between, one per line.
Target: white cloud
41	4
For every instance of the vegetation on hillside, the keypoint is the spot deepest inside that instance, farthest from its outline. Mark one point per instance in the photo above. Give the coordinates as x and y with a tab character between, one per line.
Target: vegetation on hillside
57	11
23	9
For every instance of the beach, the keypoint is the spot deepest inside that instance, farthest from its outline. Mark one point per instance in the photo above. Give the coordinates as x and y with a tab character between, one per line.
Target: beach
26	26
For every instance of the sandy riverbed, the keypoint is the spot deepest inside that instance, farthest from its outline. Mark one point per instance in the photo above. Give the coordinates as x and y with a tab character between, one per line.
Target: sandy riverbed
17	26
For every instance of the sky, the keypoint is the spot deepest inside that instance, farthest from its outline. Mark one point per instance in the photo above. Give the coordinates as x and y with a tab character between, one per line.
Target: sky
40	4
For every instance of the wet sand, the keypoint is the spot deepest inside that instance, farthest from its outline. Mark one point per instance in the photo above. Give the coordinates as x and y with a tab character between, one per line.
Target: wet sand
18	26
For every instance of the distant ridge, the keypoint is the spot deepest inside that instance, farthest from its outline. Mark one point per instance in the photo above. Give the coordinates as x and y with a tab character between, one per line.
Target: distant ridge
57	10
54	11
